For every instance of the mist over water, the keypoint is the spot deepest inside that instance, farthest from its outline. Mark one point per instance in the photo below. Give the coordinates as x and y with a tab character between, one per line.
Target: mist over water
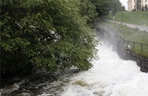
109	76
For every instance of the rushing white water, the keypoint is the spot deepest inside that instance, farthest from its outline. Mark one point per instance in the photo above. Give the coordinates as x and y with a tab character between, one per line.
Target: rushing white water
109	76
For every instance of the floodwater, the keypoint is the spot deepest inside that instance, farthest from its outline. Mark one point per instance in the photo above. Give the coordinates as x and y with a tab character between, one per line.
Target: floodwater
109	76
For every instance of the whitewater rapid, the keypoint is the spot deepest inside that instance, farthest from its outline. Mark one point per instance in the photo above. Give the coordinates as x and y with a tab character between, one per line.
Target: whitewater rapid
109	76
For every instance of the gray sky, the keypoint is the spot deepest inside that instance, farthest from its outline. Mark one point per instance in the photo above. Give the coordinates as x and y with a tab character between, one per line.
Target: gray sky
124	3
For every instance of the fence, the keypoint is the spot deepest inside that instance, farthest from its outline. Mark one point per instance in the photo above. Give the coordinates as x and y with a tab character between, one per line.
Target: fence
137	47
135	50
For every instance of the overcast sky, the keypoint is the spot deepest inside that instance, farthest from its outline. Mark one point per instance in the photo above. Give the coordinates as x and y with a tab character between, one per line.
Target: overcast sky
124	3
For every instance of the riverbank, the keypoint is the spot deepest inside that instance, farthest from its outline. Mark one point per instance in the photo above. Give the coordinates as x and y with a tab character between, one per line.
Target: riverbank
137	39
129	44
36	84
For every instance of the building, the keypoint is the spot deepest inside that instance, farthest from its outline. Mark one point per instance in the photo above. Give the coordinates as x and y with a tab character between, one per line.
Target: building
131	5
137	5
144	3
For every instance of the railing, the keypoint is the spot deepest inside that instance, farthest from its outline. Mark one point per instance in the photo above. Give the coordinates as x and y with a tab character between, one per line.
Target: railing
137	47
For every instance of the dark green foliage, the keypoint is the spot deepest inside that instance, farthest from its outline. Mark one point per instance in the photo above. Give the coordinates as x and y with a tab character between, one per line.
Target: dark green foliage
49	34
103	7
116	6
88	10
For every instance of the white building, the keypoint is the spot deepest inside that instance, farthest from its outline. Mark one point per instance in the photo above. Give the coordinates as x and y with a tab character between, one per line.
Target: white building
144	3
132	4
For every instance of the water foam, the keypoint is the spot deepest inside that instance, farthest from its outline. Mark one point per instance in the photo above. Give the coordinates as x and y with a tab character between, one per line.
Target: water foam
109	76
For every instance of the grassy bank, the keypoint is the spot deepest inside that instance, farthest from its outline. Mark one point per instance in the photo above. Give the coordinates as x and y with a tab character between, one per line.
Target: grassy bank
135	17
135	38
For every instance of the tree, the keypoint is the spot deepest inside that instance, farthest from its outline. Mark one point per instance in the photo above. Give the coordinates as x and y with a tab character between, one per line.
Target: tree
122	8
116	6
49	34
103	7
87	10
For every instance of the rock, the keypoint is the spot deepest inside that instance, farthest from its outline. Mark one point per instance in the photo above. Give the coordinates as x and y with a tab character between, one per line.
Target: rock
10	89
25	94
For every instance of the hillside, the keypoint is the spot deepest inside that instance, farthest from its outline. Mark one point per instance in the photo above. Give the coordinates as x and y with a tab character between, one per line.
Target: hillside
135	17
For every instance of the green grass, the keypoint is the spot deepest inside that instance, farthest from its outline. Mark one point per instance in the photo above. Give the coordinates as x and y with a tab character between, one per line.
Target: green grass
135	17
132	35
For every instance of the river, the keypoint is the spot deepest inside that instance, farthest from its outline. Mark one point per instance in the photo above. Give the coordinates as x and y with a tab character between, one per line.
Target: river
109	76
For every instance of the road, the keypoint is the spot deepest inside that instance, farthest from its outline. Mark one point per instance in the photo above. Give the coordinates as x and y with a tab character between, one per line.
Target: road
141	28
